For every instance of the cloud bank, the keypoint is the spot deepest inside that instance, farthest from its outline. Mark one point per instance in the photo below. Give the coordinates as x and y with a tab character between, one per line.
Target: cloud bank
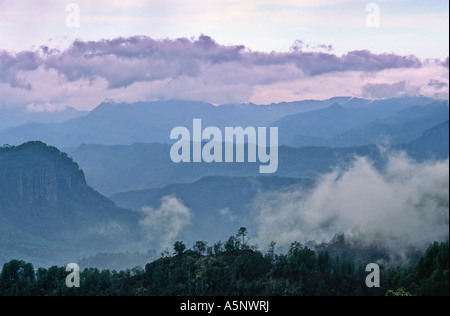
402	208
141	68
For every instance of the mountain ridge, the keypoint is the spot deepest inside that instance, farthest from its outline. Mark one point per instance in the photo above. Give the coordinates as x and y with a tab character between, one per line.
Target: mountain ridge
150	122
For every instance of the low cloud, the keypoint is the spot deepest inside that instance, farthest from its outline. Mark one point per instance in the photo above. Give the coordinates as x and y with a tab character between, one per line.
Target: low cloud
164	225
402	208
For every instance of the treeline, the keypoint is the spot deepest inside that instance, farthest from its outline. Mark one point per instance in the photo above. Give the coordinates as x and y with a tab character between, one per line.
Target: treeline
234	268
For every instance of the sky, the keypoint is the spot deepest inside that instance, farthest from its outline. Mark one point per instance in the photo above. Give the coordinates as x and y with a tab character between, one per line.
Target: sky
56	53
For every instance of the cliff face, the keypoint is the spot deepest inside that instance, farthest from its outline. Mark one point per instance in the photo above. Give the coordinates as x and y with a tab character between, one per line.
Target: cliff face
37	175
32	186
47	210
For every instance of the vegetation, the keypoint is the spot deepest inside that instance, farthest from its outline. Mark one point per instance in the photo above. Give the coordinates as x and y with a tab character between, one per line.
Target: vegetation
236	269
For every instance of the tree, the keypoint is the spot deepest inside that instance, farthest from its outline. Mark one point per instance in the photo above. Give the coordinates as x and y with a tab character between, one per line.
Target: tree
242	232
324	261
232	244
218	247
15	277
270	255
179	248
200	247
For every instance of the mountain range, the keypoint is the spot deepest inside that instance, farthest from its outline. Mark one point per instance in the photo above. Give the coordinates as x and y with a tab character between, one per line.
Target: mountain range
334	122
117	123
377	123
115	169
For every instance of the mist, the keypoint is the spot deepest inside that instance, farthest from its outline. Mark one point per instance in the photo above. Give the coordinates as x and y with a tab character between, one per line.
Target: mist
402	208
164	225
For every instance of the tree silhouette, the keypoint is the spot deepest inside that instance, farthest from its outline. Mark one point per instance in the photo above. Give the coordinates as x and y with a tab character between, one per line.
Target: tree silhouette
242	232
179	248
200	247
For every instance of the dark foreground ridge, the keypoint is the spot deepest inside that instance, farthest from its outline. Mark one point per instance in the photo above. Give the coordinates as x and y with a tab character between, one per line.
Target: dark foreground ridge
234	269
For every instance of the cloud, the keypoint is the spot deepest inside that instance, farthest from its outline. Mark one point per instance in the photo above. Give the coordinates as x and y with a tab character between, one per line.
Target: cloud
144	59
385	90
404	207
46	107
321	63
141	68
227	214
301	45
166	223
437	84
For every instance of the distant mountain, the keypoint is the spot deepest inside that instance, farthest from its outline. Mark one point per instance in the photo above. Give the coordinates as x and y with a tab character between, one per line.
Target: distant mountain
392	121
316	126
12	117
49	215
112	123
114	169
219	205
433	144
228	192
151	122
401	128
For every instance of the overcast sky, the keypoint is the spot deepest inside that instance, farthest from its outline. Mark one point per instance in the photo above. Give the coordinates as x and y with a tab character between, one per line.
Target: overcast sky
219	51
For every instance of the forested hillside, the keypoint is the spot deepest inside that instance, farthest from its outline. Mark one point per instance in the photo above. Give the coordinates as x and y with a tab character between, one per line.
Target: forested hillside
235	268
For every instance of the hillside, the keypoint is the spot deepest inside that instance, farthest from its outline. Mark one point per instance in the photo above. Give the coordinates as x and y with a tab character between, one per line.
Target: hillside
434	143
48	212
233	269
